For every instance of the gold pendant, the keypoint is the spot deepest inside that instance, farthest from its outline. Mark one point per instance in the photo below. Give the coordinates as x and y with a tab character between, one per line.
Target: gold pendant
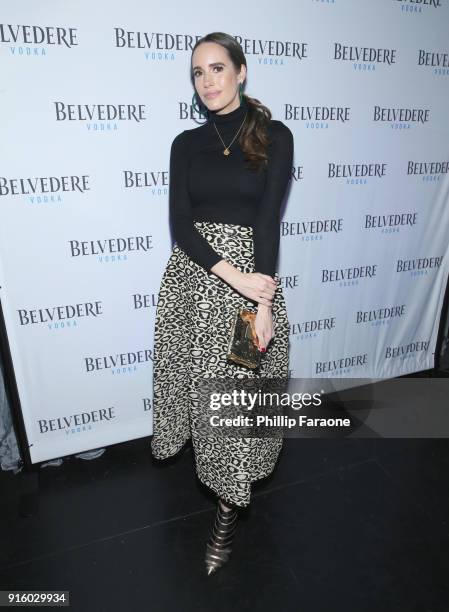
226	152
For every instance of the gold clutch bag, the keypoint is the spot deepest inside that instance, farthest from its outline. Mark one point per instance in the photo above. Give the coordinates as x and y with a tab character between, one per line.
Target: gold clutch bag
243	344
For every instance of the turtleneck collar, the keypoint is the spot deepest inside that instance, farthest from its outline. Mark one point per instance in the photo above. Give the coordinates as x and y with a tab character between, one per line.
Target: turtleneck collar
235	115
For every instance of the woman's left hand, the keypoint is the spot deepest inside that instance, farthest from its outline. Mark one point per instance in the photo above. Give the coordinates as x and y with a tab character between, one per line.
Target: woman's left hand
264	325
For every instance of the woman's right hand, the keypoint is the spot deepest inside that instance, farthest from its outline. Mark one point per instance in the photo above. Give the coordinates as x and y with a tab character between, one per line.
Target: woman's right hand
256	286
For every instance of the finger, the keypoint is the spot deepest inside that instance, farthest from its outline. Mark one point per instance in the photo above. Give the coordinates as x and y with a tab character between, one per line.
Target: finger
267	296
268	278
268	290
269	286
264	301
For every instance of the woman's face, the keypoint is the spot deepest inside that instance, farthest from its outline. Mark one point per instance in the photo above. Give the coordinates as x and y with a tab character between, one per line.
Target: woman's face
214	73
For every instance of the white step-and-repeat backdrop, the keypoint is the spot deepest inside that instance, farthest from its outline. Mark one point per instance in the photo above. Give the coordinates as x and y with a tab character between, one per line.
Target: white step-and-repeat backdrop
92	95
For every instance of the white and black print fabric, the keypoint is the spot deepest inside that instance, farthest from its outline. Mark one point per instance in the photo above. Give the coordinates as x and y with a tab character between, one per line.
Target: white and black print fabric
194	315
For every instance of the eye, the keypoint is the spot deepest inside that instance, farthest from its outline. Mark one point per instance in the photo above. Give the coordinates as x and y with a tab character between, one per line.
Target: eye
197	72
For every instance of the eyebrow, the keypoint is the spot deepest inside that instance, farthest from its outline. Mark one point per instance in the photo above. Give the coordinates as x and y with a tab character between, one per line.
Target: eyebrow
213	64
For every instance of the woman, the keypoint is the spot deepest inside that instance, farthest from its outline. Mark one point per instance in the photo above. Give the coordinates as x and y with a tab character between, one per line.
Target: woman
228	179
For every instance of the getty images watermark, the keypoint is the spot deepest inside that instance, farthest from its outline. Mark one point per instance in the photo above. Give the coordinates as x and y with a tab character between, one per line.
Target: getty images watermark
320	407
251	402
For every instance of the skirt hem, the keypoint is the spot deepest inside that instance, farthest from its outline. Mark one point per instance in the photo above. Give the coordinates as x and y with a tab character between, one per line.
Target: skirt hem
162	457
232	501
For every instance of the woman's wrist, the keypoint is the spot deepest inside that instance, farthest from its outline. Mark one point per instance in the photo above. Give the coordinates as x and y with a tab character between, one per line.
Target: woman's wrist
264	307
229	273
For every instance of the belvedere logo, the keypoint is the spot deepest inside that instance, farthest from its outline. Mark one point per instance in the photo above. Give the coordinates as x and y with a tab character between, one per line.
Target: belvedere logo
37	35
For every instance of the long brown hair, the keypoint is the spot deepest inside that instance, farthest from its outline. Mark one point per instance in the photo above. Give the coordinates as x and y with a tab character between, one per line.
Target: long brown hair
253	138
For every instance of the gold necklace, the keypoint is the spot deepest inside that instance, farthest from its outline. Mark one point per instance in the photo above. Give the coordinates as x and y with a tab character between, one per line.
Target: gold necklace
227	148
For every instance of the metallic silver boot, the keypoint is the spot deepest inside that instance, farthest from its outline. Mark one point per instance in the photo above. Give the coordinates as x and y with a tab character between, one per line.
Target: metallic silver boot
218	548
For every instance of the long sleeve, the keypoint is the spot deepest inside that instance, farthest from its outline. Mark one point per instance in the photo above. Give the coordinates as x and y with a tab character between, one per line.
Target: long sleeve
186	235
267	224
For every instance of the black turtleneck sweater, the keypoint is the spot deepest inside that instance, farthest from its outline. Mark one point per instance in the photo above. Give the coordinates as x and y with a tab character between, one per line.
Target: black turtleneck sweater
206	185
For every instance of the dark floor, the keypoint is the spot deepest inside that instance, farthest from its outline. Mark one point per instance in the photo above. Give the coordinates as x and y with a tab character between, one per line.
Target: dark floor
353	525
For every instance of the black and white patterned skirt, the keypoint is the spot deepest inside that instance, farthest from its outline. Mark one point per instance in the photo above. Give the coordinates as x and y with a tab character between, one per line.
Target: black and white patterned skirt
193	321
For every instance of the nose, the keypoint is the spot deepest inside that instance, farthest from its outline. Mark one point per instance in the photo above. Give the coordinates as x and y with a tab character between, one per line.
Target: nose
208	80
